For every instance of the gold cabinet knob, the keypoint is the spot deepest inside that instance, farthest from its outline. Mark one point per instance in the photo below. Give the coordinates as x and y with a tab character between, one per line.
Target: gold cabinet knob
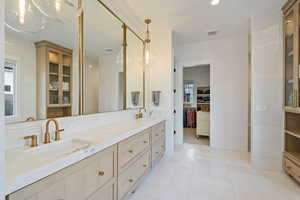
130	151
101	173
130	180
145	166
145	142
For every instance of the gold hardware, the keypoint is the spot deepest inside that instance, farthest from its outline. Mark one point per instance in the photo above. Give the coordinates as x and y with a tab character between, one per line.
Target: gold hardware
145	142
130	180
33	140
144	165
139	115
101	173
147	22
296	98
130	151
57	131
156	134
30	119
157	152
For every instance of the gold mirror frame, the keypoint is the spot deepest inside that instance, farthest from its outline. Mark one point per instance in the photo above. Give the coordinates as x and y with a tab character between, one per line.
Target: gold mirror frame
126	28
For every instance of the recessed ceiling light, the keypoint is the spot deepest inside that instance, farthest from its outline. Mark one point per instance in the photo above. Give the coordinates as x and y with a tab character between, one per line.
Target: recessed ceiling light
215	2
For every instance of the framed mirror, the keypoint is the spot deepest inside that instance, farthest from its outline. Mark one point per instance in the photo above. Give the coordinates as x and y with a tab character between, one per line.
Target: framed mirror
41	60
103	54
135	96
69	58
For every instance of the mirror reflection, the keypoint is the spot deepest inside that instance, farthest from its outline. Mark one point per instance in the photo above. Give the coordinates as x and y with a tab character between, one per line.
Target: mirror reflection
134	71
41	62
104	78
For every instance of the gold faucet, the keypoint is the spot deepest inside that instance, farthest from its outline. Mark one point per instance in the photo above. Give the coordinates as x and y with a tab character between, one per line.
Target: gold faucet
57	131
30	119
33	140
139	115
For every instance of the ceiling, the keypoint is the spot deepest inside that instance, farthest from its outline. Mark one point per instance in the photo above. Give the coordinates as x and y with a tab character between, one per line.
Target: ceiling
192	19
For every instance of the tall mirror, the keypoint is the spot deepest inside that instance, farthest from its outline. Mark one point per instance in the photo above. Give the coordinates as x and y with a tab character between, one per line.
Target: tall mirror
134	71
41	59
103	69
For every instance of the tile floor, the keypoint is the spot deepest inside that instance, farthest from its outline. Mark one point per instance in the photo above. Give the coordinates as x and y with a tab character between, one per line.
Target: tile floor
189	137
196	172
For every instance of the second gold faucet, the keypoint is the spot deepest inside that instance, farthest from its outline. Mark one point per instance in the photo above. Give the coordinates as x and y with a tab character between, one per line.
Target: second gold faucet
47	139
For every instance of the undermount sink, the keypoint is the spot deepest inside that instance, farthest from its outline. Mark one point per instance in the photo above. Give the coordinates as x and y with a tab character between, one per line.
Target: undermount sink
60	148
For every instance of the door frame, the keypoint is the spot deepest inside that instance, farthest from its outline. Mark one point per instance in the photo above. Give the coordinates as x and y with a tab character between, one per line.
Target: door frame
179	98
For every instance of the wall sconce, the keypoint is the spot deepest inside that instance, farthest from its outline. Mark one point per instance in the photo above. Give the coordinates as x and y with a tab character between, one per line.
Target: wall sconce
156	97
147	42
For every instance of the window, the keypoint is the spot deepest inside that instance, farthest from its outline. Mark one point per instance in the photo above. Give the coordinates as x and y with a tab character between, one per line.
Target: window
9	87
188	92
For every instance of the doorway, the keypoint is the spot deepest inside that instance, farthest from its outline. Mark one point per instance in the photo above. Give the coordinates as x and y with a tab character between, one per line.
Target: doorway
194	105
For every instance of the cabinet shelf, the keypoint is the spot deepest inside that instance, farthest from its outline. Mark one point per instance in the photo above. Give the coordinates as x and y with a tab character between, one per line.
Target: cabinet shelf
293	155
297	135
53	90
58	105
53	74
290	109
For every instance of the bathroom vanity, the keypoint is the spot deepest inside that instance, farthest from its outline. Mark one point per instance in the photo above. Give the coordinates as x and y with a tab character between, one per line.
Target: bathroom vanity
110	168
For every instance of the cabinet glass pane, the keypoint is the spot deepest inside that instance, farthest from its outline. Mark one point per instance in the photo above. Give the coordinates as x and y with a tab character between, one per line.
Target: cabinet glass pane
289	59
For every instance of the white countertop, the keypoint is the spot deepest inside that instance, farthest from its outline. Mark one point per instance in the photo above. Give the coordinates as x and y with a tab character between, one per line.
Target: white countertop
23	168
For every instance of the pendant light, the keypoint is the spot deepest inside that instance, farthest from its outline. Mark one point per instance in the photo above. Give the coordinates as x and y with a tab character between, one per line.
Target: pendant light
147	42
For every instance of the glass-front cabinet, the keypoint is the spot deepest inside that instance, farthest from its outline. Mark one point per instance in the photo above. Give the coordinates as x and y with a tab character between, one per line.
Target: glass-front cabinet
291	155
291	54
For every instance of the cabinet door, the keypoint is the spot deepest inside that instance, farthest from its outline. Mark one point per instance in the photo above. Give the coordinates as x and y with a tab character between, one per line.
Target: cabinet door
53	192
74	186
106	167
289	29
91	176
107	193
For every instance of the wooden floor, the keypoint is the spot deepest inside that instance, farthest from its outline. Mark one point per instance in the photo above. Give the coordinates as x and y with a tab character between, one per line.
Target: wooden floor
189	136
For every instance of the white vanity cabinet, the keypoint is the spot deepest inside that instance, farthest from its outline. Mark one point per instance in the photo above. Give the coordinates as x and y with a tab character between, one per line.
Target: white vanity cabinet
76	182
112	174
158	142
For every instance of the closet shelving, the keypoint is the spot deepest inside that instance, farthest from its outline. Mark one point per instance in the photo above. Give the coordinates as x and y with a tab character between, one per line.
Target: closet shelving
291	27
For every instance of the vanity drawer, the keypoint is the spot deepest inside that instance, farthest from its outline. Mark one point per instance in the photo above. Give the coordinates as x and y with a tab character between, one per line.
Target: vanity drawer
132	147
132	175
157	131
158	149
292	168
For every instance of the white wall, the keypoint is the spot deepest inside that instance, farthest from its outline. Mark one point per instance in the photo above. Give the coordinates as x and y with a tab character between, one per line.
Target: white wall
161	77
108	84
134	69
267	90
24	52
91	85
199	75
229	85
2	125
